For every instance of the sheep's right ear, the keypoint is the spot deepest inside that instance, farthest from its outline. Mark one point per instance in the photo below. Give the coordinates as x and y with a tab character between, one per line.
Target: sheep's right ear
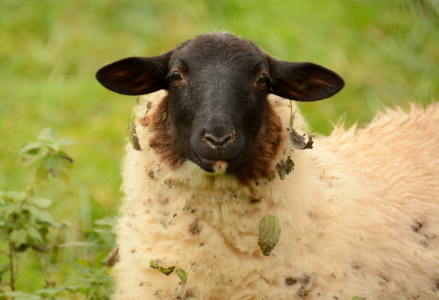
136	75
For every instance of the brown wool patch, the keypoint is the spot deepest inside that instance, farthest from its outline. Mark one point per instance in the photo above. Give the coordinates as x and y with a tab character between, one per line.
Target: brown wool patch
266	148
144	121
162	142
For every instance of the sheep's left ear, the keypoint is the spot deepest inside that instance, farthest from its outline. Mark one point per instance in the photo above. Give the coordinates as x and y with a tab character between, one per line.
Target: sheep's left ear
302	81
136	75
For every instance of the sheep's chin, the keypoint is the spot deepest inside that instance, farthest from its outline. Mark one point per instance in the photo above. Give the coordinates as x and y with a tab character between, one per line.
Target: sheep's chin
215	167
218	167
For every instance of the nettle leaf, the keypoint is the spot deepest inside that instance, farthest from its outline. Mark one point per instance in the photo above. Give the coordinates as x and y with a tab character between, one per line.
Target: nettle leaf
18	237
32	148
66	141
41	202
28	159
53	164
43	216
47	135
284	168
165	271
41	175
269	233
182	275
34	234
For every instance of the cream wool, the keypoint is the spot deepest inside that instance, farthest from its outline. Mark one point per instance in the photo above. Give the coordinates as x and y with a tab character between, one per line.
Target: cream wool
359	216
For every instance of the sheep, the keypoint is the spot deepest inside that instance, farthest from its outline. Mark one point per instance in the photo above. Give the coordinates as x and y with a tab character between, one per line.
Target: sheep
359	214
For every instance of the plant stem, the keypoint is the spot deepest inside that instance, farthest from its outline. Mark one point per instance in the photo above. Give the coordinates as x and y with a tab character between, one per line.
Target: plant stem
277	204
12	266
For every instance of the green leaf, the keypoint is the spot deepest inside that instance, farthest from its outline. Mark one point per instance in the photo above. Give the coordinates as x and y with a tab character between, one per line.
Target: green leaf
66	141
52	164
47	135
18	237
284	168
30	147
28	159
41	175
105	222
64	177
183	276
269	233
41	202
165	271
43	216
34	234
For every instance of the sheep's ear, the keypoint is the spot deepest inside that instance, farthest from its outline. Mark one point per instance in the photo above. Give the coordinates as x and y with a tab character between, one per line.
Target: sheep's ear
136	75
303	81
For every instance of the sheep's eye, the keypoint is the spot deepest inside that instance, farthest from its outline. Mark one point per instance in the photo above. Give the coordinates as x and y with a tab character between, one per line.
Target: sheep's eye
262	80
176	76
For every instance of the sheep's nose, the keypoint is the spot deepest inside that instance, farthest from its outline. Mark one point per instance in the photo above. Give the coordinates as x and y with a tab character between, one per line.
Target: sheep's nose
216	141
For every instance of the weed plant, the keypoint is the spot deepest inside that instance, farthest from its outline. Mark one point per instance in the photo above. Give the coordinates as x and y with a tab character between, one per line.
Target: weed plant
387	51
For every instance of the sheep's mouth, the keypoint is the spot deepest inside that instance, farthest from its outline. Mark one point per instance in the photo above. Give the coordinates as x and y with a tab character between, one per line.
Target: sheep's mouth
219	166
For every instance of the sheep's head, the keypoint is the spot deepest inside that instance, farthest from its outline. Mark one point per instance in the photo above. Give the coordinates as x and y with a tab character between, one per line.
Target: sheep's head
218	86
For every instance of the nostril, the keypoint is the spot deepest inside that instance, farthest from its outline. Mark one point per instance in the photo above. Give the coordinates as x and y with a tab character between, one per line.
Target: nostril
215	141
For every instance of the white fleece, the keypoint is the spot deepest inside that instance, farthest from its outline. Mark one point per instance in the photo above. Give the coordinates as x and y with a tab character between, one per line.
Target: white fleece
359	216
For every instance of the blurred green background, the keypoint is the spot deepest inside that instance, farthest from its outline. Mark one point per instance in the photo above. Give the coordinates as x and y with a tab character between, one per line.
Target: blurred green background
387	52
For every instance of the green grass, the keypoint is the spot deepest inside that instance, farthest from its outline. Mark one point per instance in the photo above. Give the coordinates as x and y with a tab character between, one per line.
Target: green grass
387	51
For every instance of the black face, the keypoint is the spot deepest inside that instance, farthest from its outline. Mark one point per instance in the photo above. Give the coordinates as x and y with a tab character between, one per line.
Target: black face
218	85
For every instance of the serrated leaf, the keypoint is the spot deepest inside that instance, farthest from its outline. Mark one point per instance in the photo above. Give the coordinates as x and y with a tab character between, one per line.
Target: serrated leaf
182	275
45	217
269	233
18	237
29	147
284	168
41	175
41	202
34	234
52	164
47	135
28	159
161	269
66	141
